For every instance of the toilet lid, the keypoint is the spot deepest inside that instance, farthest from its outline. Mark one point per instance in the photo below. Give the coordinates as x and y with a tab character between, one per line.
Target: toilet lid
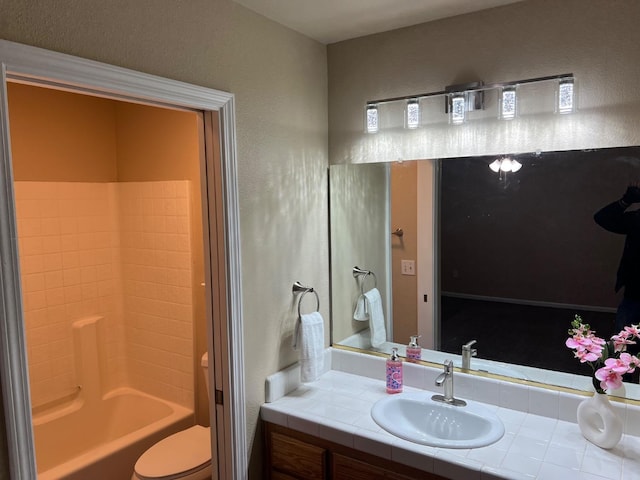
183	451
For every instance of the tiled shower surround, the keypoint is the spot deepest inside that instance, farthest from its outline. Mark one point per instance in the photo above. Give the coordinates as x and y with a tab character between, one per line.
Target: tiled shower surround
118	250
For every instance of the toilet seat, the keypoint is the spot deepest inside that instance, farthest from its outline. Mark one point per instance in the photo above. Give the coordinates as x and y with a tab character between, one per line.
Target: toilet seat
177	456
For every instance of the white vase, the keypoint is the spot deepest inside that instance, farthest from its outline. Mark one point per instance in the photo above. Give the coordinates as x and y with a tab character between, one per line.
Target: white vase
599	422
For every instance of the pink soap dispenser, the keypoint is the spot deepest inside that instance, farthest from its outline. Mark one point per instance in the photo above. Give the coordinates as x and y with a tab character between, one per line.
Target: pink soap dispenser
394	372
414	351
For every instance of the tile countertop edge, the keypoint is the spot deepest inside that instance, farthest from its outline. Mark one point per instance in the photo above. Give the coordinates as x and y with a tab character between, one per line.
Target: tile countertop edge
539	423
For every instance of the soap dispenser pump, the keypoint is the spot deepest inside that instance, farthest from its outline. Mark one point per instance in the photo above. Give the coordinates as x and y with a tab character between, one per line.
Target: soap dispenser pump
414	351
394	372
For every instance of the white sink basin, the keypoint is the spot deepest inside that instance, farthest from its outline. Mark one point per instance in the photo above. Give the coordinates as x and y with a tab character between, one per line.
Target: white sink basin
417	418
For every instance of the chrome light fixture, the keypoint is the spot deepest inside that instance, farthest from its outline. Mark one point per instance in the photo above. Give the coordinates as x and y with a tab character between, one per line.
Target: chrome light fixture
371	118
566	102
506	165
468	97
508	103
412	114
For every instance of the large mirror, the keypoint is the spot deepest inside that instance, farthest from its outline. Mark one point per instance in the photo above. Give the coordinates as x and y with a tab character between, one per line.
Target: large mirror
460	252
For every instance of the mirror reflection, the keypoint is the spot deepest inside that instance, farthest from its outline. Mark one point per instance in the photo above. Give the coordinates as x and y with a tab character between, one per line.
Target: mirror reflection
515	255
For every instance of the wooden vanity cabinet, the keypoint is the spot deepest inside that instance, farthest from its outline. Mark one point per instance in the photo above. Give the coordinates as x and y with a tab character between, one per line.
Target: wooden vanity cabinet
291	455
296	459
343	468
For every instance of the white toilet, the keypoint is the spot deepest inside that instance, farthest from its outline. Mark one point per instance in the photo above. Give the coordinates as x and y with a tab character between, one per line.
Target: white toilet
185	455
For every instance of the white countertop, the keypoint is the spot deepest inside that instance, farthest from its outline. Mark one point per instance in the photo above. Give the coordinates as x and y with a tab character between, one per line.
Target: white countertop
336	407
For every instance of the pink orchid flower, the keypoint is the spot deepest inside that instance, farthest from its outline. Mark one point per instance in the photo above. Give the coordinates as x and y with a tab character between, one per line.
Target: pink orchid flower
609	380
586	356
620	342
619	365
589	349
573	342
633	330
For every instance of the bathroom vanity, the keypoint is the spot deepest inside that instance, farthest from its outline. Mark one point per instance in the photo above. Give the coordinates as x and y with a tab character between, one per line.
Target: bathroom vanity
324	429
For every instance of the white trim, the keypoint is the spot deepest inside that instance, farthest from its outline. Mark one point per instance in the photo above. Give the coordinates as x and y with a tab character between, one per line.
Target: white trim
34	65
425	257
13	357
388	261
74	73
234	283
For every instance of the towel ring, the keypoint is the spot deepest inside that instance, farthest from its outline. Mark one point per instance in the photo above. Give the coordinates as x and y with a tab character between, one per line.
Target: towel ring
299	288
359	272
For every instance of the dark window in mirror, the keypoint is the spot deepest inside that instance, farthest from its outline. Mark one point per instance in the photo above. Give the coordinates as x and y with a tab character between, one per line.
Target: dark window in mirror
521	253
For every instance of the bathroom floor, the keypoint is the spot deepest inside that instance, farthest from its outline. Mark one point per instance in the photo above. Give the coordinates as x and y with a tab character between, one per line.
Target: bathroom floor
518	334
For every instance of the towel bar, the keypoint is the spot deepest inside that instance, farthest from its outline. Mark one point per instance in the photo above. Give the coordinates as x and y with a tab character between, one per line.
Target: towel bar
359	272
299	288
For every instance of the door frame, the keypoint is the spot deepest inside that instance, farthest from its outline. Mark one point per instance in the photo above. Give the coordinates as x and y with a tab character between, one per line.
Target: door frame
36	66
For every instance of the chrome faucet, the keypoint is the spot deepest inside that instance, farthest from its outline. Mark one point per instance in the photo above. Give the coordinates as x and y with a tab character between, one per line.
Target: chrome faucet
446	379
467	353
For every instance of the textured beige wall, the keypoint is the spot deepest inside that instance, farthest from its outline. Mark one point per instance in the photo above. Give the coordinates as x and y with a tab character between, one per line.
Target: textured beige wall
359	237
56	115
597	40
279	78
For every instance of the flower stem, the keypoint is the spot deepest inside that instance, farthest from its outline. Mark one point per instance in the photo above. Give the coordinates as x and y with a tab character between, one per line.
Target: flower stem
596	385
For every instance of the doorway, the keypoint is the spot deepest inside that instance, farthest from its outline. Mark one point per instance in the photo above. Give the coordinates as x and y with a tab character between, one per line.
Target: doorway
109	216
36	68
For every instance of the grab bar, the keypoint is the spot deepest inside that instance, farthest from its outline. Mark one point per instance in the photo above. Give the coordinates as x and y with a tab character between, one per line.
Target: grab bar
67	397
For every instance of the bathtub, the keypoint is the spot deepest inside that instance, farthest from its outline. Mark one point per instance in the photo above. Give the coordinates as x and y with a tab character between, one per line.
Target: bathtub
102	440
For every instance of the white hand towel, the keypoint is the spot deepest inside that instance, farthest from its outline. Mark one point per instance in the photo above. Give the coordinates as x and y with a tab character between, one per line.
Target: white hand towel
310	338
376	318
360	312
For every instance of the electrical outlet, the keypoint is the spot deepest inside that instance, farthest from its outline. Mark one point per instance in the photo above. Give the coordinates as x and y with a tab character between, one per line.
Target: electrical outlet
408	267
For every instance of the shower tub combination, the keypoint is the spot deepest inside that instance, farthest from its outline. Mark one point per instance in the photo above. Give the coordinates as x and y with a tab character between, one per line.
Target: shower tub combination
96	436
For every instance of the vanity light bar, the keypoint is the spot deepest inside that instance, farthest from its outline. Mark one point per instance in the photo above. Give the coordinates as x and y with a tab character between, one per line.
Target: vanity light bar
457	114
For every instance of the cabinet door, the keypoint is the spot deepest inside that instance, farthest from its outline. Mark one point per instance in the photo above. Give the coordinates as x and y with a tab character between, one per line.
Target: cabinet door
275	475
296	458
346	468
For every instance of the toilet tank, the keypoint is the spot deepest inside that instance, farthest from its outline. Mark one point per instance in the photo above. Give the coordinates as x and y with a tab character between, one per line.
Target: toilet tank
204	363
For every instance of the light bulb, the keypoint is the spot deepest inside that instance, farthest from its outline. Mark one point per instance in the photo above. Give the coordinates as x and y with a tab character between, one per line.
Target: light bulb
412	114
371	118
495	165
505	165
565	96
458	109
515	165
508	103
